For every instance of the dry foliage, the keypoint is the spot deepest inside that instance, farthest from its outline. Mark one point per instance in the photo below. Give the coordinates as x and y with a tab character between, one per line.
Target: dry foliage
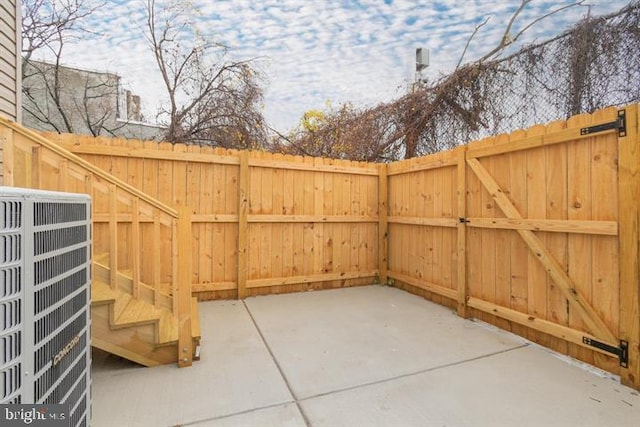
594	64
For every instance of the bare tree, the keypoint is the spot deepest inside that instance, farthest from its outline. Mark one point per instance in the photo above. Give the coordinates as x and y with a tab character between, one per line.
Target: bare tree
212	100
56	97
410	126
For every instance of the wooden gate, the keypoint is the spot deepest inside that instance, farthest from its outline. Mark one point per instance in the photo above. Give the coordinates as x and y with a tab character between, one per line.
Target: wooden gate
550	225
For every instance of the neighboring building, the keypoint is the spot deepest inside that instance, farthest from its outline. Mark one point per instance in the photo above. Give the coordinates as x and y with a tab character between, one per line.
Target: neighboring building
10	64
66	99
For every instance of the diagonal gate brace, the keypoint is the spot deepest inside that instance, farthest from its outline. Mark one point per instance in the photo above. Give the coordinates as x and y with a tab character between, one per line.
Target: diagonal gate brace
542	254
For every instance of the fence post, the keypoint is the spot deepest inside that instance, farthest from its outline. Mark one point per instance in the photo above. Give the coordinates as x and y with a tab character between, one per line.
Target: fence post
243	212
462	232
628	235
6	141
185	341
383	225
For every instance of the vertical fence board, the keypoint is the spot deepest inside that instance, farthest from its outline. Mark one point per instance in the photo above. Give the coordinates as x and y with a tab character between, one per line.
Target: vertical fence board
503	254
580	208
461	233
243	198
556	206
536	206
383	225
629	222
518	251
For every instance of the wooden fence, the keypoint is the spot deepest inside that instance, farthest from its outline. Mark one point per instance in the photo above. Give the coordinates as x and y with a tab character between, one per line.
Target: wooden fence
536	231
262	223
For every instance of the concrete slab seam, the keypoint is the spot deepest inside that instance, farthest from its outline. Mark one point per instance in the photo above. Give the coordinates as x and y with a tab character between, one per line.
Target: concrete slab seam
411	374
275	361
246	411
386	380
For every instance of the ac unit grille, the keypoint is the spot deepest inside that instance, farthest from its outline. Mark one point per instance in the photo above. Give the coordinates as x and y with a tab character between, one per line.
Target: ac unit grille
11	281
10	248
11	215
46	353
52	240
57	213
11	381
56	371
60	392
50	295
10	345
79	413
54	266
11	313
52	321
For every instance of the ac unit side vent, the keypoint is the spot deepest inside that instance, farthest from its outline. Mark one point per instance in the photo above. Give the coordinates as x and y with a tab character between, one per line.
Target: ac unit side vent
60	392
11	281
79	394
56	213
55	371
11	381
49	323
54	266
11	212
47	352
57	291
10	345
53	240
11	313
11	248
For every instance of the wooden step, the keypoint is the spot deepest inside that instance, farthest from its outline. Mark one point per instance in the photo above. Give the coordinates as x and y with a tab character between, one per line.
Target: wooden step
136	329
102	258
137	312
119	305
101	293
167	329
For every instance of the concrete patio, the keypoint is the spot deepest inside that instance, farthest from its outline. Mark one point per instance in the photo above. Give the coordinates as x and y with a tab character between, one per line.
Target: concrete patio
359	356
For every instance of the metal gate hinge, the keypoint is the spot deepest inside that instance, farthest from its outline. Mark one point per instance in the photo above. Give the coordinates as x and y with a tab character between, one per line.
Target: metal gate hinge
620	124
622	351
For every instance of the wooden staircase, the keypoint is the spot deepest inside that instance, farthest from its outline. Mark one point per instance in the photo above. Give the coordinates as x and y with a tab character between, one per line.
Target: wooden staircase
142	311
131	327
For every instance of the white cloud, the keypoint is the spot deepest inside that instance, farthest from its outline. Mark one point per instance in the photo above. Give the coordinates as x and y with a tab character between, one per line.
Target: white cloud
359	51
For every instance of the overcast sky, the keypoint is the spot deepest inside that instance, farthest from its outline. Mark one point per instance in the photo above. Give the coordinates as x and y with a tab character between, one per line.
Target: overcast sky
317	50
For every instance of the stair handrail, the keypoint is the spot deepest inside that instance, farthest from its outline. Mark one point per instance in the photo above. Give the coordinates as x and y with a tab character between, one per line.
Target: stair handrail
87	165
181	222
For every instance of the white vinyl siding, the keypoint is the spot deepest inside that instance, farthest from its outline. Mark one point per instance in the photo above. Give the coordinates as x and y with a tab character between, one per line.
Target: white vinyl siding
10	63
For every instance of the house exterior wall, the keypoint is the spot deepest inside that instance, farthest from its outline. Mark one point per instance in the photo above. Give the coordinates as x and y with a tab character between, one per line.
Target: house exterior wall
93	103
10	64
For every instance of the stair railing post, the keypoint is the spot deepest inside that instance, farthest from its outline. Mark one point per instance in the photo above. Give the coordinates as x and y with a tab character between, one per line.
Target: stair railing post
185	342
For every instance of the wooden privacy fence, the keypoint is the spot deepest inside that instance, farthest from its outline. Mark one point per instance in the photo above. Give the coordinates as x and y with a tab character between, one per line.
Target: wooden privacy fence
535	231
262	223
